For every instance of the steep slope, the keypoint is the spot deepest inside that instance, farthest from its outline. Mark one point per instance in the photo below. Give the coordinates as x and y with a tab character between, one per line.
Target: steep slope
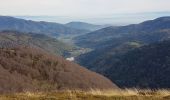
144	67
96	60
48	28
93	60
148	66
29	69
112	44
44	42
147	32
84	26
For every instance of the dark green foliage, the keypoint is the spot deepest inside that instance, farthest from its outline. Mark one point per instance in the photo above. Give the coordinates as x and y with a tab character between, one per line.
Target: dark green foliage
115	57
145	67
95	60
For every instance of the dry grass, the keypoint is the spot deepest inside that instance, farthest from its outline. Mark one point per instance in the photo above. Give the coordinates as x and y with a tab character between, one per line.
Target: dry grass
126	94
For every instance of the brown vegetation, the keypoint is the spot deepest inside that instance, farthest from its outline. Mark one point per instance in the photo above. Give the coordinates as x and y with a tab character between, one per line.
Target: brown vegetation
29	69
127	94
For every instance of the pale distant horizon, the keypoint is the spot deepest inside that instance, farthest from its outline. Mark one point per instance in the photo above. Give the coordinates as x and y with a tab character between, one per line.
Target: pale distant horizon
91	11
115	19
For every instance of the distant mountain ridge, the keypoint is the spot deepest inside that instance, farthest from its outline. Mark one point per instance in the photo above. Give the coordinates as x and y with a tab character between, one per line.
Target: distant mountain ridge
85	26
158	28
48	28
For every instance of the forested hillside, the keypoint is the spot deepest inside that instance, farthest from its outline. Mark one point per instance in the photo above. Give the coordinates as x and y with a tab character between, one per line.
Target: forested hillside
146	32
131	56
49	44
145	67
30	69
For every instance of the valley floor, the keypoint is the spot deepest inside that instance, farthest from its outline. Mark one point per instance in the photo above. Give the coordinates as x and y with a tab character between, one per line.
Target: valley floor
93	95
77	51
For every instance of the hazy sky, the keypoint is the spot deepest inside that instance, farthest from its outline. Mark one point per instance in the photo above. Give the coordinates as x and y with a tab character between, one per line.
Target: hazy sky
81	8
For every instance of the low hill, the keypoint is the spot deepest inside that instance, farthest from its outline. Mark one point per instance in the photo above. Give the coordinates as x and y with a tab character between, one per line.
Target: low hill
44	42
85	26
48	28
30	69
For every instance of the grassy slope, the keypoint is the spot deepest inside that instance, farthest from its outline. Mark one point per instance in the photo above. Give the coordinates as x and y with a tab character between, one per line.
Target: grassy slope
92	95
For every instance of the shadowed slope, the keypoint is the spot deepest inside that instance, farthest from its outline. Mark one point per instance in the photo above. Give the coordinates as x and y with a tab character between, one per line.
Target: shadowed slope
144	67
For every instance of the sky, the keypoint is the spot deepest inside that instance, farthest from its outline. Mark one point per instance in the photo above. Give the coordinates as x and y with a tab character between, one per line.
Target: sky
86	10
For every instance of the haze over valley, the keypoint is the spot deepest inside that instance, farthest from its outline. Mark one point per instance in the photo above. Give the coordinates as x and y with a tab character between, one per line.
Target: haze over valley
85	50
